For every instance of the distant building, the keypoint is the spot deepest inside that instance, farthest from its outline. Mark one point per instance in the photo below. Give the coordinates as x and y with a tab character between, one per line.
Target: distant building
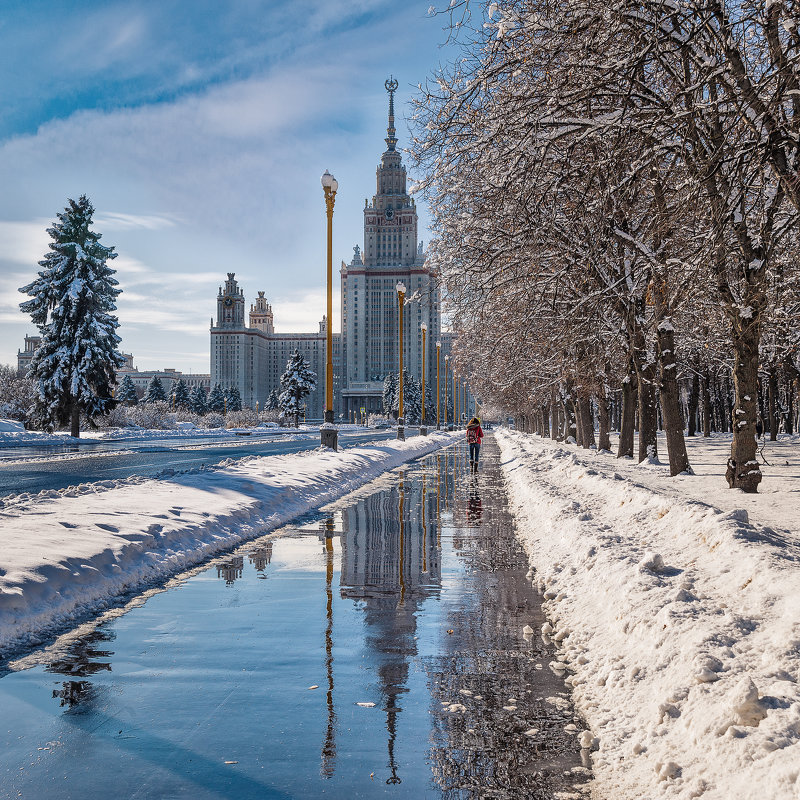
370	315
249	354
252	357
140	378
24	356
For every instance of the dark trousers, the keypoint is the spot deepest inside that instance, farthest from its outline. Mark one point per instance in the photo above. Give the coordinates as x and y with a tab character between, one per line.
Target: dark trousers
474	449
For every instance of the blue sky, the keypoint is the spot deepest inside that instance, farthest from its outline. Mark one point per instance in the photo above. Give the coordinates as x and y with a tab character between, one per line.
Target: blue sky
199	131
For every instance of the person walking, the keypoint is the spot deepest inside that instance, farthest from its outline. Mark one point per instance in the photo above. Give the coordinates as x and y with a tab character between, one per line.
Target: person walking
474	437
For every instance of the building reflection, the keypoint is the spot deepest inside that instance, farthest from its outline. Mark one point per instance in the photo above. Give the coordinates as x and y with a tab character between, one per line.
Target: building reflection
231	569
391	563
260	558
83	658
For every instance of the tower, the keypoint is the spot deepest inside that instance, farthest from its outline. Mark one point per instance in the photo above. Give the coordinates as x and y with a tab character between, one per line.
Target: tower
230	304
391	253
261	315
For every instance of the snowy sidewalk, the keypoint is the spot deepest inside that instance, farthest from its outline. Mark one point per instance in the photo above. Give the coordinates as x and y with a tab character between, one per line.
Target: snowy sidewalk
679	624
64	554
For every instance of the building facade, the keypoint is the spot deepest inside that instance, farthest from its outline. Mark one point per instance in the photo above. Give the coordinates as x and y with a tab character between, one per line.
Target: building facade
370	315
252	357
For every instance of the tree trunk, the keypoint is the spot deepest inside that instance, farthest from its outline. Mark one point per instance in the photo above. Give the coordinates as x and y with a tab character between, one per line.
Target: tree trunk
570	426
747	474
670	400
694	402
706	406
75	420
629	392
586	422
603	441
553	414
772	405
648	404
545	429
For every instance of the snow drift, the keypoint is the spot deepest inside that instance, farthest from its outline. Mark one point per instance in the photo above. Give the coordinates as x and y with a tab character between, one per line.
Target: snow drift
679	625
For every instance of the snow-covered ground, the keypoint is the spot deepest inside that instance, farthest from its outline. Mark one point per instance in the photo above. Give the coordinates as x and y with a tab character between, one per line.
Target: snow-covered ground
66	553
13	434
678	619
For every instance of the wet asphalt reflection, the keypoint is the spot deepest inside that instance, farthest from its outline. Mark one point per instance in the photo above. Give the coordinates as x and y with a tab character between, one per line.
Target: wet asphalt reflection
372	648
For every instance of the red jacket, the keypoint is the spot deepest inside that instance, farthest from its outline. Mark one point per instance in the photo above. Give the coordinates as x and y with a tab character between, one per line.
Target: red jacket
478	432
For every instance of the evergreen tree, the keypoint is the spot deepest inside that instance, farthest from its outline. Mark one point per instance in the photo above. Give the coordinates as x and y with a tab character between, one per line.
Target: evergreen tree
273	402
127	392
155	391
216	400
412	399
233	399
179	397
390	389
198	401
297	382
72	303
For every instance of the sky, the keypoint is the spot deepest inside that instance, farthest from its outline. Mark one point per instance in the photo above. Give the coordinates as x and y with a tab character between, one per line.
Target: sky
199	131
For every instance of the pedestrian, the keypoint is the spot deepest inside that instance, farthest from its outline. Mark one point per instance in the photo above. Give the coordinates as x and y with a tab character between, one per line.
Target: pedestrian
474	437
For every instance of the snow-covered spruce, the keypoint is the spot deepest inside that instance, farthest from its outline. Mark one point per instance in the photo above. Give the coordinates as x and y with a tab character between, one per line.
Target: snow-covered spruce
297	382
72	303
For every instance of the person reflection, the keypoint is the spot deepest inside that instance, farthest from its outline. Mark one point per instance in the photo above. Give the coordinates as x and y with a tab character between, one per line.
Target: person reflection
474	506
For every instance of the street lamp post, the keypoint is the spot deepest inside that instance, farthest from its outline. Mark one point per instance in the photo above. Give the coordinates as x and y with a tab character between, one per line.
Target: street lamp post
456	409
438	389
446	364
464	399
423	428
401	296
329	435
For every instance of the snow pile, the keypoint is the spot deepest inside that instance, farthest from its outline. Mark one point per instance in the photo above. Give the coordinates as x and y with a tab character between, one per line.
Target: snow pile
679	626
66	553
11	426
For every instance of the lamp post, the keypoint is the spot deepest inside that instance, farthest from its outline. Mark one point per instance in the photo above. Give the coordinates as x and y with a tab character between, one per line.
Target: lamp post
456	409
446	364
464	400
401	296
438	389
329	436
423	428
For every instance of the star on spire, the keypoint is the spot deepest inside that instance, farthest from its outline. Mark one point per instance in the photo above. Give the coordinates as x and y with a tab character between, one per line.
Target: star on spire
391	87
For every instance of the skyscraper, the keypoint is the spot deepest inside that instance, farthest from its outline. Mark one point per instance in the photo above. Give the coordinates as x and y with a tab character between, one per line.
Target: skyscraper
392	253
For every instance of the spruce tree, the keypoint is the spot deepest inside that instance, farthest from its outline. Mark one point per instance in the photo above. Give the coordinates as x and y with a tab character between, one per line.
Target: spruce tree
273	403
216	400
390	389
233	399
127	392
72	303
155	391
198	402
179	397
297	382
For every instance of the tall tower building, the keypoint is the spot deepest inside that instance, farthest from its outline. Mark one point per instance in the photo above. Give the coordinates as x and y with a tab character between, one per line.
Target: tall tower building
391	253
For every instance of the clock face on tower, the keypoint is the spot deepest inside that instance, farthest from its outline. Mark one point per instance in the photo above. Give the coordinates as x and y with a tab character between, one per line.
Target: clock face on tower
228	301
389	214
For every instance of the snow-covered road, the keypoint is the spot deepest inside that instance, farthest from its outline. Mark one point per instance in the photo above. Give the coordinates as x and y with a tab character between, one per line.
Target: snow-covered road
679	625
64	554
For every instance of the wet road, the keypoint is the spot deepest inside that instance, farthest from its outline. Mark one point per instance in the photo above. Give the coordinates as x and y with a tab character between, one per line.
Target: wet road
144	459
373	648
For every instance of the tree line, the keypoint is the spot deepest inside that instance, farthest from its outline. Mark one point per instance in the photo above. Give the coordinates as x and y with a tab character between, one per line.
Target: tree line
615	191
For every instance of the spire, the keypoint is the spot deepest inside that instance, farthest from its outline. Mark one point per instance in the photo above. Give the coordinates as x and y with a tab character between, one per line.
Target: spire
391	139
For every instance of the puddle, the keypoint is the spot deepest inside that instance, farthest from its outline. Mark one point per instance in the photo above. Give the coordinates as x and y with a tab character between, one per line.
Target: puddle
373	648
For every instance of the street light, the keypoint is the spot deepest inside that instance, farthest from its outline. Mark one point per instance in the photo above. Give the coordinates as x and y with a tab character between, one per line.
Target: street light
401	295
329	436
438	388
446	364
423	428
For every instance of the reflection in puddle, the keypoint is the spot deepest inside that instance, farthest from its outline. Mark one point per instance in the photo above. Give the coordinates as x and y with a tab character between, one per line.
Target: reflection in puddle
385	649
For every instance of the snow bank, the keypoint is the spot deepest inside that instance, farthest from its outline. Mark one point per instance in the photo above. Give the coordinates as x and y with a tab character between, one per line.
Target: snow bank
66	553
11	426
679	625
